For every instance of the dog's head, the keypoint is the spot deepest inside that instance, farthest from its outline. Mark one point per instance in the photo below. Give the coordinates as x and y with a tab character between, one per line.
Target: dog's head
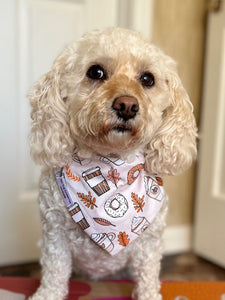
113	91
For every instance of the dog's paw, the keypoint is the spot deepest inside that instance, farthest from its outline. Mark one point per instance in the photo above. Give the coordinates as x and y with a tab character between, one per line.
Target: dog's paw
44	294
156	297
146	296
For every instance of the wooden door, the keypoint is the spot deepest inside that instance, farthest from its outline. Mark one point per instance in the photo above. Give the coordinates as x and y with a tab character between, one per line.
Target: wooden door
209	238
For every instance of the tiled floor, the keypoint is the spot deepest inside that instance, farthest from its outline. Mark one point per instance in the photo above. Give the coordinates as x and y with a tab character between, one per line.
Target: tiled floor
183	267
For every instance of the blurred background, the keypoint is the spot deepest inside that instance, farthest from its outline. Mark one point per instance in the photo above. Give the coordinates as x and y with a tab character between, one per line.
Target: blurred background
33	32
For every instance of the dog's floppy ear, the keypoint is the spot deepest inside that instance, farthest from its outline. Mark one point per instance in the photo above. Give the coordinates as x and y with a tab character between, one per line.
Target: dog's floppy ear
173	148
50	136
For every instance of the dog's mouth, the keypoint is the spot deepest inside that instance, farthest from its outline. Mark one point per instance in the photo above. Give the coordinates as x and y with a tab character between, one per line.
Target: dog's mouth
122	128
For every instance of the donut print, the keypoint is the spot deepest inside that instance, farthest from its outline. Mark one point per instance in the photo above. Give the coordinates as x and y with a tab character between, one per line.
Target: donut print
116	206
134	173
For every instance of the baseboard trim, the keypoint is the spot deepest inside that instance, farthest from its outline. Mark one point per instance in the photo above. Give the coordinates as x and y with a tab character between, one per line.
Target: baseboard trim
177	239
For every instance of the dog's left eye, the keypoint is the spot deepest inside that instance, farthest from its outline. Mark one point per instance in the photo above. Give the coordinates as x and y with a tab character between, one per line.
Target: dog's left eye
96	72
147	79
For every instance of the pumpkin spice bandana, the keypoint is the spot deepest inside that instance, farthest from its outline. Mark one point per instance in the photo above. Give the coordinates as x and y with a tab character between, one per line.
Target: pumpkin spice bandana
113	201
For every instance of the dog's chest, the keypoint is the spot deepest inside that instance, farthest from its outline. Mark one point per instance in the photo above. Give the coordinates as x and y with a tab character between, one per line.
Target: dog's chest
113	201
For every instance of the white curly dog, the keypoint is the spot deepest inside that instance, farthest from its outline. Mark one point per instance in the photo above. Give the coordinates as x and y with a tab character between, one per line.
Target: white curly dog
109	119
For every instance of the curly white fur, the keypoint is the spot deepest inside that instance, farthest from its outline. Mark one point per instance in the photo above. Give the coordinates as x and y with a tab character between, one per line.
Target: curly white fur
70	110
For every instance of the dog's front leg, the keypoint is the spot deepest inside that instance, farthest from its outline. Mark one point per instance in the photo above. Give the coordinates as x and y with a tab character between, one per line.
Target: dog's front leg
56	266
56	259
145	271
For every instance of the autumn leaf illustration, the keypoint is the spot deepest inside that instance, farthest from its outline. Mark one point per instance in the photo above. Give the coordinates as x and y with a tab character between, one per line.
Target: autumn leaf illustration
114	176
138	203
71	175
103	222
123	239
87	199
159	180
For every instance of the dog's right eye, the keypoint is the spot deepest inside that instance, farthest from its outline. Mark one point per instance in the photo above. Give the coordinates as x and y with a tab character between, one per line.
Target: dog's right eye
96	72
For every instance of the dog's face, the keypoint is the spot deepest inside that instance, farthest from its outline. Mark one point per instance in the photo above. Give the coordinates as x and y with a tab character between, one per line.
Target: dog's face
121	92
113	92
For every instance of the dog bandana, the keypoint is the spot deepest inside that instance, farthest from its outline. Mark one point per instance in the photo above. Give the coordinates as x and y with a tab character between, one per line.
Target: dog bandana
113	201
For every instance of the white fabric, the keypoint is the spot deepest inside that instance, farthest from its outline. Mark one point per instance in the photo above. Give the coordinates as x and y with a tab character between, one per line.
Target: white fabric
113	201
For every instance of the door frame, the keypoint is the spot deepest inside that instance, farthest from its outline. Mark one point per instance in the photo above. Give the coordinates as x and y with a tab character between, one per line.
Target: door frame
209	233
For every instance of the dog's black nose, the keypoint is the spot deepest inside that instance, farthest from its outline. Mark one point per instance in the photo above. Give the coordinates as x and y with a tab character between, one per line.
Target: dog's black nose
126	107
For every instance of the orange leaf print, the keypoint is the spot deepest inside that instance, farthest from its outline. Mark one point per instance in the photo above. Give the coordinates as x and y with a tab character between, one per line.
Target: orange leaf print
123	239
138	203
114	176
159	180
87	199
71	175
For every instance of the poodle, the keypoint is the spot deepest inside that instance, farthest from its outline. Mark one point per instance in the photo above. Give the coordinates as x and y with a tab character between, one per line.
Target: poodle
109	120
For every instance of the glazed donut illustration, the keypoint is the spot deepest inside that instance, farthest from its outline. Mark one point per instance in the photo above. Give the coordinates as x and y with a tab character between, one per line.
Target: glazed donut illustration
134	173
116	206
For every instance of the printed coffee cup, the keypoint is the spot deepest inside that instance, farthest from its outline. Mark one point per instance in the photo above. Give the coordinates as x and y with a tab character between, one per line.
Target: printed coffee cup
153	190
104	240
112	158
96	181
139	225
78	216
